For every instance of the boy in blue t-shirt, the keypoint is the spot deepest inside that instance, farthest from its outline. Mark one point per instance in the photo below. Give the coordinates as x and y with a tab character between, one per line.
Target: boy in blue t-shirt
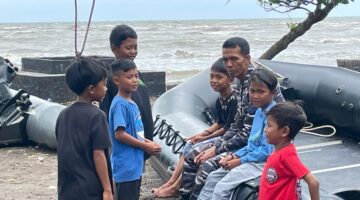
127	132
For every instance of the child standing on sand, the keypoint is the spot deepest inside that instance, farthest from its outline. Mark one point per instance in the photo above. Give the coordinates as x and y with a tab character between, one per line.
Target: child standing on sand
82	136
126	132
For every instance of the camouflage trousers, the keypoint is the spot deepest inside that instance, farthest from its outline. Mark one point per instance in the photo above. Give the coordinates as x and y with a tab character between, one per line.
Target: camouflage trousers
194	176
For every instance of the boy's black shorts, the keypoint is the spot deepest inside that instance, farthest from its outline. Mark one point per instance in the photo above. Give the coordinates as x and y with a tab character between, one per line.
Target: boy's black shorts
128	190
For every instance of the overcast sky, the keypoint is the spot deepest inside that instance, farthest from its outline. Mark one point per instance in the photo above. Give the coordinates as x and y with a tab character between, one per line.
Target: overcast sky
126	10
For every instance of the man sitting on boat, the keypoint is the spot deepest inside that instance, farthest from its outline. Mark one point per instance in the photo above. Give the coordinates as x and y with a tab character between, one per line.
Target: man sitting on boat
236	55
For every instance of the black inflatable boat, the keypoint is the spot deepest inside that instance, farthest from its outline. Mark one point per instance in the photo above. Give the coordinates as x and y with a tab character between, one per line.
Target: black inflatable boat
331	95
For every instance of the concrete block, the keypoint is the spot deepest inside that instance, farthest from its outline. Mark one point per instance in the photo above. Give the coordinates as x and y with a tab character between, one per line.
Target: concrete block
46	86
155	82
52	65
44	77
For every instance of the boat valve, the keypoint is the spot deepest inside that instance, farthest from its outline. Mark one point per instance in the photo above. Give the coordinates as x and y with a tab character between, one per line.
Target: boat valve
338	90
347	106
286	81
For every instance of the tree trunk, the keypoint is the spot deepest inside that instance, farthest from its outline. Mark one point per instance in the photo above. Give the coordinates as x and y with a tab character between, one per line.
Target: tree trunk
299	30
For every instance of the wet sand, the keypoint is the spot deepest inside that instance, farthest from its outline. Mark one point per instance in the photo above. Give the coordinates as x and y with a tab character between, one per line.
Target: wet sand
31	173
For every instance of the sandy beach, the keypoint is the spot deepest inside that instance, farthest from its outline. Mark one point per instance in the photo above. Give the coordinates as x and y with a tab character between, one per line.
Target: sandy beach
31	173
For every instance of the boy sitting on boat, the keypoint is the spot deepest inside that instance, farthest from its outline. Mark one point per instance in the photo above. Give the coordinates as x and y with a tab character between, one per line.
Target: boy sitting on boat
226	105
241	166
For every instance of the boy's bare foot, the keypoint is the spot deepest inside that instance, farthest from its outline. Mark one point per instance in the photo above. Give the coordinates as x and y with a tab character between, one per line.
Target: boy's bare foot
167	192
163	186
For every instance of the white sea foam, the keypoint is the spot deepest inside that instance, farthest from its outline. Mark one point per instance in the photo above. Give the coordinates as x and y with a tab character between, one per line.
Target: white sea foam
184	47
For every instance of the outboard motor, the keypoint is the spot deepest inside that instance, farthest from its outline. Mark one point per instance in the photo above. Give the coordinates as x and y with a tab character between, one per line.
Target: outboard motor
247	191
13	108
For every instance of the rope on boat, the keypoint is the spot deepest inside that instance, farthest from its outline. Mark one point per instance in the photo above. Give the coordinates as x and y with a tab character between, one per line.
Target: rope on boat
308	129
166	132
77	53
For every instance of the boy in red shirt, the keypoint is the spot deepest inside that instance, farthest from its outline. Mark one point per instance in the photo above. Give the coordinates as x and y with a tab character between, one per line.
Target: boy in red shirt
283	169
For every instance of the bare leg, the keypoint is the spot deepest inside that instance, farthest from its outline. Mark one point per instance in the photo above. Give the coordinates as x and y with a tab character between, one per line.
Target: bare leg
171	191
174	177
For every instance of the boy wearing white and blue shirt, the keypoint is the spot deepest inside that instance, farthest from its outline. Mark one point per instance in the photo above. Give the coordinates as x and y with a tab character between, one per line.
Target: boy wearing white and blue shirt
127	160
126	132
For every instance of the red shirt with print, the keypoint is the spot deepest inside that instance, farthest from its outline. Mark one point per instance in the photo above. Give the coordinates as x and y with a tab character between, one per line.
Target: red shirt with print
281	175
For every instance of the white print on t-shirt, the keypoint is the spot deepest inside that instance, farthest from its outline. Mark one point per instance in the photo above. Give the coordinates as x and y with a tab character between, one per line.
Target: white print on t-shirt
139	127
271	175
298	189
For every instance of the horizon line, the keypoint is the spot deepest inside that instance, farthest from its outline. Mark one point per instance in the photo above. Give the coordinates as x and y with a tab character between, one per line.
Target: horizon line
167	20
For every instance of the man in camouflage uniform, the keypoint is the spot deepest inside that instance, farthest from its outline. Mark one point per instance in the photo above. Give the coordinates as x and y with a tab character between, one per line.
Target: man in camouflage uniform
204	159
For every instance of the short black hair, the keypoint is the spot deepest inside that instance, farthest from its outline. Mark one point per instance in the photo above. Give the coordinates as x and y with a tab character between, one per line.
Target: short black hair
240	42
261	75
120	33
289	114
83	72
218	66
122	65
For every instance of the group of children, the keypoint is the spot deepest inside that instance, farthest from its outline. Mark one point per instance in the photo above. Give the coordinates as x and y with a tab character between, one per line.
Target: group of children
214	162
87	136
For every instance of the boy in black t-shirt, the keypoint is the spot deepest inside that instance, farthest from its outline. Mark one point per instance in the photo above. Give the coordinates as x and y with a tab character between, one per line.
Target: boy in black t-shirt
82	136
226	105
123	43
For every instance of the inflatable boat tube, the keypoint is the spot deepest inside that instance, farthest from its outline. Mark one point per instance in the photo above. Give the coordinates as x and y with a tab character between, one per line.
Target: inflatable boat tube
181	112
331	94
40	127
40	124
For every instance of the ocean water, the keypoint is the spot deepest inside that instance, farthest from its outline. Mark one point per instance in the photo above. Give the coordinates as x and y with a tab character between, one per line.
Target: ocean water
182	48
